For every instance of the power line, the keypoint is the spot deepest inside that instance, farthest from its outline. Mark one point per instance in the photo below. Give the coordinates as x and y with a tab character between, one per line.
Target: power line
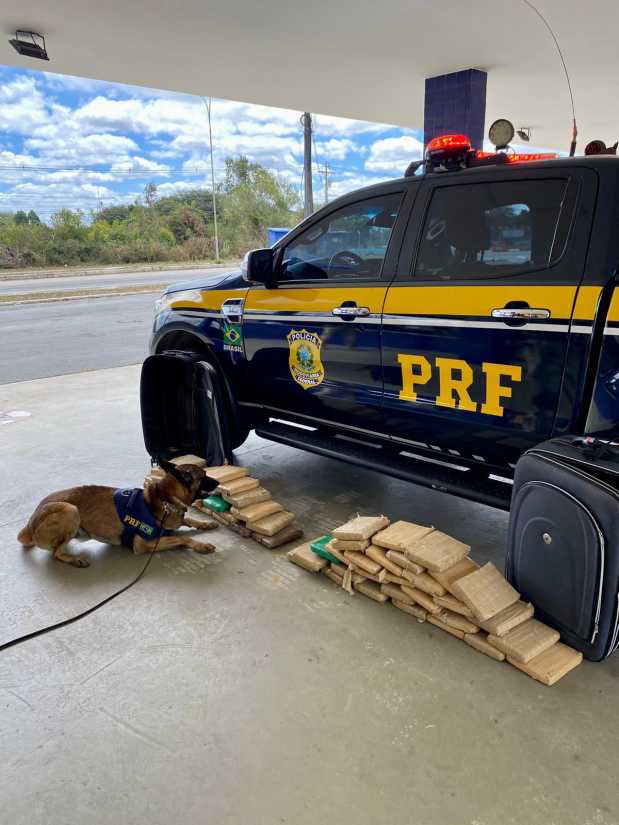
114	172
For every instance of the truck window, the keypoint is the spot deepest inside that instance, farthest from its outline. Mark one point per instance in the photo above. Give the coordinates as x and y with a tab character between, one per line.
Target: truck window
493	229
351	242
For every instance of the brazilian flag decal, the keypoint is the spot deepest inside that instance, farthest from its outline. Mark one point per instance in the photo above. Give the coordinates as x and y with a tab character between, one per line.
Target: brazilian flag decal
233	338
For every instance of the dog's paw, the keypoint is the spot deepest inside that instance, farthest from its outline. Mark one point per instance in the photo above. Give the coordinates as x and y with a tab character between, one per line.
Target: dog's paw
203	547
80	561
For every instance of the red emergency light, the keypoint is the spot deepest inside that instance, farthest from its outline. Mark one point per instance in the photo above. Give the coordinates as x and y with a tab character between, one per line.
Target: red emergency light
441	143
447	152
516	157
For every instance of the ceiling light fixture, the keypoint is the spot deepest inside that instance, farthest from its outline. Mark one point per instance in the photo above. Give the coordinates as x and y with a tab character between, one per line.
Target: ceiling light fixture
30	44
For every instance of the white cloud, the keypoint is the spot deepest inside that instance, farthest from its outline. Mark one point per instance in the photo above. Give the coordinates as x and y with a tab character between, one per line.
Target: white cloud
82	149
174	187
22	106
139	164
342	126
349	181
77	175
90	87
393	154
164	153
47	198
16	159
336	148
148	117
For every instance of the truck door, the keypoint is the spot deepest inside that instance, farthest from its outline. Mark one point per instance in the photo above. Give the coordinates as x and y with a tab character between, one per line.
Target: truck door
312	344
475	332
603	415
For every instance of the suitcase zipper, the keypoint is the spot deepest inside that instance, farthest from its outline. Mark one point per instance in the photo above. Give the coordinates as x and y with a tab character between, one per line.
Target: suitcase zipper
566	462
598	609
614	642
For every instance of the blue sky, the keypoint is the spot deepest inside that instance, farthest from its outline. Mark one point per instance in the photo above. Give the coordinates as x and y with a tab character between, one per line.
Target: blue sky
76	143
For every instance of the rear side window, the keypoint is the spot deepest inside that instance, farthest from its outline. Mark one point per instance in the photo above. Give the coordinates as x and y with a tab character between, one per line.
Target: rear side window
493	229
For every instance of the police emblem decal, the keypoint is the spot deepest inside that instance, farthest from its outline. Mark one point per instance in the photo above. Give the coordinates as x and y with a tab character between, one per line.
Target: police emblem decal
304	358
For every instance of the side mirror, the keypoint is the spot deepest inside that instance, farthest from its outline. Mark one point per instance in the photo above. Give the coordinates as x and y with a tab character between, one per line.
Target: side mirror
258	266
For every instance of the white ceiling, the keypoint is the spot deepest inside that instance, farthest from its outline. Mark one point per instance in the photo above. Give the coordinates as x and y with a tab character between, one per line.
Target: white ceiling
354	58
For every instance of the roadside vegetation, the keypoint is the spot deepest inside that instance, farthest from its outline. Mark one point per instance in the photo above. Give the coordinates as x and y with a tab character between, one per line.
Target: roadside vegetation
173	228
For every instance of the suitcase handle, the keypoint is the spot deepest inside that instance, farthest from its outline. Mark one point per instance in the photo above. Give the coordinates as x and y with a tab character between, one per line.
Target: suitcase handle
594	447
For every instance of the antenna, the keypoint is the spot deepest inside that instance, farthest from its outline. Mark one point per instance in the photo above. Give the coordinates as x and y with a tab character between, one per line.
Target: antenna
208	104
567	76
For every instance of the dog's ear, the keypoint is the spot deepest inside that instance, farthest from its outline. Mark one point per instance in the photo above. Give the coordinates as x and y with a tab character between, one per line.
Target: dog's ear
207	485
172	469
166	466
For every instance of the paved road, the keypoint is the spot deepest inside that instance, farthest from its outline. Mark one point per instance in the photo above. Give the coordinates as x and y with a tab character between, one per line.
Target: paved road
40	340
72	282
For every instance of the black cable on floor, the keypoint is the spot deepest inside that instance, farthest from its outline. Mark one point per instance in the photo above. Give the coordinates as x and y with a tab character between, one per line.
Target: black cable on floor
89	610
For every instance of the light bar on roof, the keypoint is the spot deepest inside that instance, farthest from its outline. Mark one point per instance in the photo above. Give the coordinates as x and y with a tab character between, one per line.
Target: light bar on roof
517	157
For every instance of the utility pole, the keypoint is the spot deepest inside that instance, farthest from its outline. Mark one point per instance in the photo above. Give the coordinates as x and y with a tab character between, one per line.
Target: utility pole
210	140
308	201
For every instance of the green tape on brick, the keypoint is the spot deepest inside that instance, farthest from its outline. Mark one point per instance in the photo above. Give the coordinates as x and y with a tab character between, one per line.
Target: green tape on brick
319	547
216	503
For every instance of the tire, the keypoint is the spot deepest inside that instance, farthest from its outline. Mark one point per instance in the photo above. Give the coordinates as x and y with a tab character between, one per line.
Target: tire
241	435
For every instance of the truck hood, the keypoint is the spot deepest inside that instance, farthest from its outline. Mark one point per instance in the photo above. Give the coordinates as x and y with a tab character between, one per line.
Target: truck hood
229	280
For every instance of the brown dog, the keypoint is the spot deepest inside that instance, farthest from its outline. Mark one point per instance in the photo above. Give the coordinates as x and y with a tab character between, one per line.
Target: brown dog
129	517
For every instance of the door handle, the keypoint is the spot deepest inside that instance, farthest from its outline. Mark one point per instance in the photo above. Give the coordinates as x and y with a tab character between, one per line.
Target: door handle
350	312
232	310
521	314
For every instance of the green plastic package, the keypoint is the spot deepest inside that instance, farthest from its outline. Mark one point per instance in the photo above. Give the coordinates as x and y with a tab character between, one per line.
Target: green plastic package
216	503
319	547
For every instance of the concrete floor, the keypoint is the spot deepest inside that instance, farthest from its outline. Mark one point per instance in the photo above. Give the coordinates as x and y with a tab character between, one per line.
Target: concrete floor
238	689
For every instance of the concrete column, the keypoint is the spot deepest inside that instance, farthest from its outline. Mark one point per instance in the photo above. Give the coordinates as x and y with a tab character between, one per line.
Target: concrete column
456	104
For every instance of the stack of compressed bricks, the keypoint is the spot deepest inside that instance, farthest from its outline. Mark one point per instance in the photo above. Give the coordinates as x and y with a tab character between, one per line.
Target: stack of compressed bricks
248	508
429	575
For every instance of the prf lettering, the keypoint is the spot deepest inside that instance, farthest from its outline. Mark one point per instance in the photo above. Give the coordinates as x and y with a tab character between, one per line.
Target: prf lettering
455	378
139	525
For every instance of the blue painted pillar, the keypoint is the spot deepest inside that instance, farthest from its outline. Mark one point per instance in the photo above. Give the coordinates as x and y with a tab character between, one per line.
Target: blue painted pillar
456	104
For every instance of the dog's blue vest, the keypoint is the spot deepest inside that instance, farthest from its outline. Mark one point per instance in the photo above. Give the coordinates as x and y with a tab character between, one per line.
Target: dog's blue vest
136	517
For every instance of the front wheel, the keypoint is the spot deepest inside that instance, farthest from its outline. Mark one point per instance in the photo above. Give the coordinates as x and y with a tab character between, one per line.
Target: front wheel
240	437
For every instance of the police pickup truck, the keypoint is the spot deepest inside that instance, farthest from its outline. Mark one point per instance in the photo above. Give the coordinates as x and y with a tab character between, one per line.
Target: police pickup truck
432	328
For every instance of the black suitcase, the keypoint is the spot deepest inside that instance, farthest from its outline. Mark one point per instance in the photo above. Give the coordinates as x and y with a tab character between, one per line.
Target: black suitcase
563	544
182	409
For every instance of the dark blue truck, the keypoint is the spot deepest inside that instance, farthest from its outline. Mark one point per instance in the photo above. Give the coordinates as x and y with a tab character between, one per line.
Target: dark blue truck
432	328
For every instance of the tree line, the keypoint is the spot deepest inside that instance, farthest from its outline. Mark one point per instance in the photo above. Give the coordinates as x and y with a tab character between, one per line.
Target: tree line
174	228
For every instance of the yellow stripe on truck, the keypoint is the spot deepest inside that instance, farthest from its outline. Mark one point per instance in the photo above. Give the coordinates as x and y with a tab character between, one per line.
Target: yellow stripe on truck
477	300
587	303
203	299
310	299
441	300
613	312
